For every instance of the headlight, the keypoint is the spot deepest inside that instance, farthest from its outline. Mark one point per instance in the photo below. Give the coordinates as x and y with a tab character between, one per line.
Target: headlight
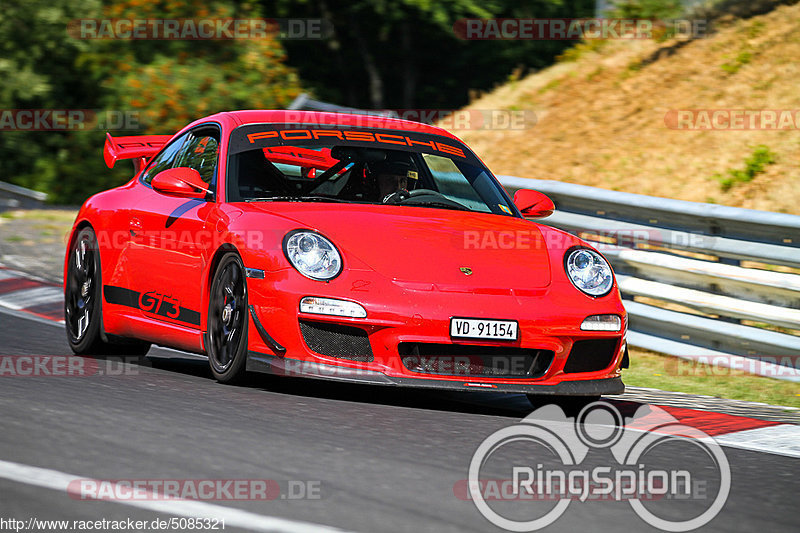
589	272
312	255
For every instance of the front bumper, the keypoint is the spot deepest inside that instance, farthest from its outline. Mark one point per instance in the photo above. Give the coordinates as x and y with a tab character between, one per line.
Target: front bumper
283	366
401	316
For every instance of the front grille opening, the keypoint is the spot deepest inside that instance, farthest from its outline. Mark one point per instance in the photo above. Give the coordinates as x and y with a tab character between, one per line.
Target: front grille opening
474	360
591	355
337	340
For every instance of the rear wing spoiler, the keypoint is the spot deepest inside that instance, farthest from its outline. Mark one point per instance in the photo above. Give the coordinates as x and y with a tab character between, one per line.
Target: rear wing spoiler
140	148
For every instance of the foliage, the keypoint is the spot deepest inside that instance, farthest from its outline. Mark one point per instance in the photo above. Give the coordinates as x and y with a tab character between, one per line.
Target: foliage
755	164
405	53
659	11
742	58
580	49
647	9
163	84
656	10
172	83
384	53
40	72
667	372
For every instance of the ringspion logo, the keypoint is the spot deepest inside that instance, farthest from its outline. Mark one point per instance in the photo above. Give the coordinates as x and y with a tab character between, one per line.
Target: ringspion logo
524	477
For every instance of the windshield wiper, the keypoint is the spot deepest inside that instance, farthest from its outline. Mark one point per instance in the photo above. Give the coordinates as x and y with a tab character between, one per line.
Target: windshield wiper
434	203
297	199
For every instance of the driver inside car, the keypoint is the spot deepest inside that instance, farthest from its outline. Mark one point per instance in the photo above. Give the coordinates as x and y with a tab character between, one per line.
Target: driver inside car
393	179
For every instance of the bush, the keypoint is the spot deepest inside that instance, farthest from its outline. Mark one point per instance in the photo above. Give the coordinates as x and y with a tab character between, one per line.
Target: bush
755	164
646	9
164	85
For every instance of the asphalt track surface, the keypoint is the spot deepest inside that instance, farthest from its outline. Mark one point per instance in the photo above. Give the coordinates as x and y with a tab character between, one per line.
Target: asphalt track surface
383	459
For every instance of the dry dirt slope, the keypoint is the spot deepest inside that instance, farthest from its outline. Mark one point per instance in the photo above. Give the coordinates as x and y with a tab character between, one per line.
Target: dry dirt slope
601	118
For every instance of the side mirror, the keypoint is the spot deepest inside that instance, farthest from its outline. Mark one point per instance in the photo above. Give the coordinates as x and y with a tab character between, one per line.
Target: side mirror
181	181
533	203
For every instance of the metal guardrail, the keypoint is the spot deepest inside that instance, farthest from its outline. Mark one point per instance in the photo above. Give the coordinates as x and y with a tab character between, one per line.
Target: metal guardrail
304	102
688	262
691	226
689	256
13	196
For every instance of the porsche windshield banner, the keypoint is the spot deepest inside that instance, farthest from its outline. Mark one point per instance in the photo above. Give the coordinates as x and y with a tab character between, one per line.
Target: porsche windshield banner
258	136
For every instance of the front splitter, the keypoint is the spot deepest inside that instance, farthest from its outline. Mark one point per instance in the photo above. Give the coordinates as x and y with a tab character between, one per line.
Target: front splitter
284	366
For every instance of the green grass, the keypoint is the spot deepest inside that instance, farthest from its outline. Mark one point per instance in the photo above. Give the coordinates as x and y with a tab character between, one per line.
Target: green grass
664	372
755	29
595	73
732	67
58	216
552	84
14	238
580	49
754	165
632	68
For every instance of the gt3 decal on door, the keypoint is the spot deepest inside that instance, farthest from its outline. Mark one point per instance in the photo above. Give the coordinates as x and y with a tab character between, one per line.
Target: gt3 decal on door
151	302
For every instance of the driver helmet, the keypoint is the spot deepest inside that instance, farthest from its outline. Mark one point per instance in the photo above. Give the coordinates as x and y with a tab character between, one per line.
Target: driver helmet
393	176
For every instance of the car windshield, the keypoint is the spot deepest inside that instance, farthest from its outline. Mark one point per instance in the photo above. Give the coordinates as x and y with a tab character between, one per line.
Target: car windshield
271	163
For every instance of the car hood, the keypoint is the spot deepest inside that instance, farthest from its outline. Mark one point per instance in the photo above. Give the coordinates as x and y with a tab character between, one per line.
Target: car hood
417	247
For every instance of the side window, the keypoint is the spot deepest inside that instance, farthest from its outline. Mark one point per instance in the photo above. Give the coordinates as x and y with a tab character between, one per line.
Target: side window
164	160
200	153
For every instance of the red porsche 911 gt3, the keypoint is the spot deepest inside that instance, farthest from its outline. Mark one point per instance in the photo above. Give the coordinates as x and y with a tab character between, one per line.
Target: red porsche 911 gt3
343	247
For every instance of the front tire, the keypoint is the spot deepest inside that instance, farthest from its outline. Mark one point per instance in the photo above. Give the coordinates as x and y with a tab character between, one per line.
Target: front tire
83	302
226	344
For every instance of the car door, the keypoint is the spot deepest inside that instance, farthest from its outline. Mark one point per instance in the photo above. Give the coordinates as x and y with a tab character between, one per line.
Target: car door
167	259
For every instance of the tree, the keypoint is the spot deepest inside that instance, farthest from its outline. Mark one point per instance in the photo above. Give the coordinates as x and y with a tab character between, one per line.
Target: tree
171	83
404	53
163	85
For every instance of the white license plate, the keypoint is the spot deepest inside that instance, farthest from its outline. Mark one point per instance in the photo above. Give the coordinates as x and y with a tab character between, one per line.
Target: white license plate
477	328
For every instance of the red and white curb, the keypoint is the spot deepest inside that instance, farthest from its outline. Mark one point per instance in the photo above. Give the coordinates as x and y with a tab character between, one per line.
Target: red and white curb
735	431
781	439
20	292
